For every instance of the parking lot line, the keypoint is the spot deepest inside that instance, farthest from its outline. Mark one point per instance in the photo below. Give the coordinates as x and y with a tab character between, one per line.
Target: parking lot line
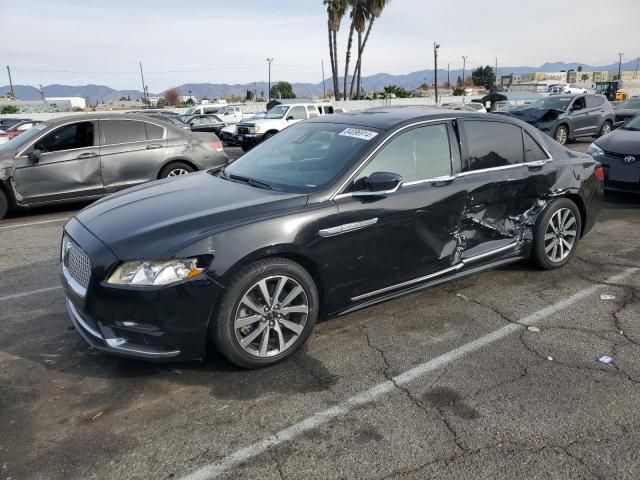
34	223
215	469
26	294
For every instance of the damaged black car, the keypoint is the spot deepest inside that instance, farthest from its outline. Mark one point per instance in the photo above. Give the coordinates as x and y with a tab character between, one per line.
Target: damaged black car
566	117
327	217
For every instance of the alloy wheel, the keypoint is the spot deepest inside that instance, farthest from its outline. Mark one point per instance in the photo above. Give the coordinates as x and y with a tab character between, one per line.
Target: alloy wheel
560	235
561	136
271	316
177	172
606	128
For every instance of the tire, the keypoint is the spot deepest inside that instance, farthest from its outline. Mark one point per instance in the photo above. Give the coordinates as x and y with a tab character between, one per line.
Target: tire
285	332
246	147
175	169
4	204
267	136
549	249
605	129
561	135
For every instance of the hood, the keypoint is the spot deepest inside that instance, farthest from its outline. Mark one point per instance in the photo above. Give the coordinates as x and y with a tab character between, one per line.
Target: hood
536	114
626	142
158	219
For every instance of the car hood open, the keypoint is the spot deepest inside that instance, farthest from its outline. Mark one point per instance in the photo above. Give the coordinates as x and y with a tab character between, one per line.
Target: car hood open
158	219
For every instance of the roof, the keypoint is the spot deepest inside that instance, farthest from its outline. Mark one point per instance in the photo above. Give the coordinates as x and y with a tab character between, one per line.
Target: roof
385	118
98	116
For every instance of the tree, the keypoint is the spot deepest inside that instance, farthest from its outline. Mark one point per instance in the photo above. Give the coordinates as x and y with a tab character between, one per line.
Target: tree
398	92
282	90
484	76
9	109
336	10
459	92
190	101
172	97
579	68
161	103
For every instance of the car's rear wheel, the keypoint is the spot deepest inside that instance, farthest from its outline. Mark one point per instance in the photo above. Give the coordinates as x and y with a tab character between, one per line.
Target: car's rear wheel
605	129
561	135
4	204
266	313
556	234
267	136
176	169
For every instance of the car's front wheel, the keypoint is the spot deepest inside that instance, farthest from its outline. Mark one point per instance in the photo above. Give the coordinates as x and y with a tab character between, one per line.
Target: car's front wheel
556	234
561	135
266	313
605	129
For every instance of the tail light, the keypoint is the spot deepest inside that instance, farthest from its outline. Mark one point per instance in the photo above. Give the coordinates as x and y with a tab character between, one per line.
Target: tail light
215	145
599	172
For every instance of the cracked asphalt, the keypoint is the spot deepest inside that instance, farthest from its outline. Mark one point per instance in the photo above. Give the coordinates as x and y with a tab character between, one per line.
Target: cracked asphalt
533	404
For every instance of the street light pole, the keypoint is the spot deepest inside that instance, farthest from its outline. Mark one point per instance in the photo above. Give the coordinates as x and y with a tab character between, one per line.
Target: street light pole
620	66
637	63
436	46
269	94
464	67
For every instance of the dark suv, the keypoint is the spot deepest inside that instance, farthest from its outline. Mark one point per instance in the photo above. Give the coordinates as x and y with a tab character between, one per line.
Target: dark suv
86	157
566	117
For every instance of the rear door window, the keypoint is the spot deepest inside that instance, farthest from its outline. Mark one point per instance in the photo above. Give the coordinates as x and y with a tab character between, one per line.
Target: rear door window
123	131
154	132
532	151
493	144
593	101
69	137
298	113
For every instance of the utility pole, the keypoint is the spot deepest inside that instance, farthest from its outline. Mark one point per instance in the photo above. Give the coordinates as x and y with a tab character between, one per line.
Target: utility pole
324	87
448	77
634	77
42	92
269	60
436	46
13	95
496	71
144	95
620	66
464	67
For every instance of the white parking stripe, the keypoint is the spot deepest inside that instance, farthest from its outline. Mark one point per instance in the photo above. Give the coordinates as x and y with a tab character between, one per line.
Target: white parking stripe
26	294
239	456
34	223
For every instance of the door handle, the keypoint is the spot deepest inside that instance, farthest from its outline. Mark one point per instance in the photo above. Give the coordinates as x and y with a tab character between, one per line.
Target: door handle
87	155
153	146
442	181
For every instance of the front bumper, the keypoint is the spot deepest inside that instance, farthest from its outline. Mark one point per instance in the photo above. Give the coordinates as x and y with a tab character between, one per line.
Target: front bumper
619	175
154	323
249	139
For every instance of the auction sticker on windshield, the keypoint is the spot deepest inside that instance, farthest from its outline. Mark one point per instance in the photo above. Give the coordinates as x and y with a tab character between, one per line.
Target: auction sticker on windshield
359	133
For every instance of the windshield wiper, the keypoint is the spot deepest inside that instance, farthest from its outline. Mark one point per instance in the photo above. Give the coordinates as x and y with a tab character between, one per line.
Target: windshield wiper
251	181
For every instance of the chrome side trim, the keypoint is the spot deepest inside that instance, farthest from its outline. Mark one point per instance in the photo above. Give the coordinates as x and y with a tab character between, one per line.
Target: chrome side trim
409	282
346	228
366	193
491	253
73	311
368	157
455	268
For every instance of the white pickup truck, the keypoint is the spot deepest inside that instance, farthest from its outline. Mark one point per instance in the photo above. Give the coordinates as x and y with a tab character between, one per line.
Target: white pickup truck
252	132
229	114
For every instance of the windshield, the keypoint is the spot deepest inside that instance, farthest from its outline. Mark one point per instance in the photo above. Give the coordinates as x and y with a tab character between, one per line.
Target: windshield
559	103
633	124
190	111
304	157
277	112
630	104
24	138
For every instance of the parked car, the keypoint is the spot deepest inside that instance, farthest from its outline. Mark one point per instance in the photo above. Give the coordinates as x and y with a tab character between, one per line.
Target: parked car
626	110
619	154
574	88
6	123
205	123
327	217
84	158
252	132
565	117
174	120
557	89
16	130
205	109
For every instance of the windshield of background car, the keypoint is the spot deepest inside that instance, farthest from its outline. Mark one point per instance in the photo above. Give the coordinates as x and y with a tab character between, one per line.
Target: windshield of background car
277	112
633	124
24	138
631	104
559	103
190	111
304	157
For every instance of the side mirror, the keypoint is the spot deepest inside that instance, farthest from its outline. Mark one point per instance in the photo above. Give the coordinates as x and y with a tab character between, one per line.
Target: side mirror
290	117
380	184
576	107
34	155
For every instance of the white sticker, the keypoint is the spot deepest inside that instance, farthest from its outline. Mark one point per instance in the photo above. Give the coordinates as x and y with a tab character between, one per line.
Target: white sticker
359	133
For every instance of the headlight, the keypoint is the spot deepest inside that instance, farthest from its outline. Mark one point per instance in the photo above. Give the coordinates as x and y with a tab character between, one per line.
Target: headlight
155	272
595	151
256	129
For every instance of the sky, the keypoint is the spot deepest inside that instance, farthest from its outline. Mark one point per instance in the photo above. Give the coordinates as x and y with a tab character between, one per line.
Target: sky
76	42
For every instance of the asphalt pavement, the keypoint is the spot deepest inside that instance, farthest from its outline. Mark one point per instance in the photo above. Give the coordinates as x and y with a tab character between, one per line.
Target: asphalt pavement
491	377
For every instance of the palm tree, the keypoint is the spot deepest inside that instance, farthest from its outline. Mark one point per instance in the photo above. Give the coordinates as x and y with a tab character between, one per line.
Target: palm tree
354	16
336	10
360	15
374	10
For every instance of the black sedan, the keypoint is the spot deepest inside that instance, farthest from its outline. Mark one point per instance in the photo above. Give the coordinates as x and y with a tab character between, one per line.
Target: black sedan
329	216
619	153
627	110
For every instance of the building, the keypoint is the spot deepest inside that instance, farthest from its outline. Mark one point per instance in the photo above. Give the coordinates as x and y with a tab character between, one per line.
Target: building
187	98
76	102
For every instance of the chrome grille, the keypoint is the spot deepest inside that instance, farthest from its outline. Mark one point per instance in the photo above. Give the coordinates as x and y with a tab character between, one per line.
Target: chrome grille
76	262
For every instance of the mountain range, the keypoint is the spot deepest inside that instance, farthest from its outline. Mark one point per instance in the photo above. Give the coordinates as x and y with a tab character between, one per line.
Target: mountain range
102	93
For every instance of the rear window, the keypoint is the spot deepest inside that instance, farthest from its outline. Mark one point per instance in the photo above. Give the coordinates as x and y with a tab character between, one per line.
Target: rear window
594	101
532	151
123	131
154	132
